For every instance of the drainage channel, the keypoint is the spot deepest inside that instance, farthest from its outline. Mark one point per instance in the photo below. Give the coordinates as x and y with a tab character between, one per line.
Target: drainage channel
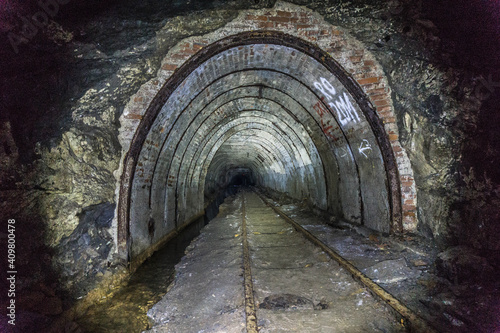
125	310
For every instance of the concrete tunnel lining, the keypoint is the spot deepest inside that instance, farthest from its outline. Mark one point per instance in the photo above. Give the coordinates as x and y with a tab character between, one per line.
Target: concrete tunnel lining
286	168
259	108
287	114
178	81
303	148
226	119
292	157
191	103
281	81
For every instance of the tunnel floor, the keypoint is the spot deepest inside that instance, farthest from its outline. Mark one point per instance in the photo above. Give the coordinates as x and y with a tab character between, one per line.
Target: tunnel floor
296	286
198	286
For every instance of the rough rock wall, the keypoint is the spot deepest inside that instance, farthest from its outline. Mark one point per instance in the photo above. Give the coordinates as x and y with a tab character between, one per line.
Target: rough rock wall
60	146
442	63
63	92
469	44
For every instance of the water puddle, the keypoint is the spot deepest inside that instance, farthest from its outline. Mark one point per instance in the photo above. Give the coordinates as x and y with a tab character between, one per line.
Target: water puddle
125	310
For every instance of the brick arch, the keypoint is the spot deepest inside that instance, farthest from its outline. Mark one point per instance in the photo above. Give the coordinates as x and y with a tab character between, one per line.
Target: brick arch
299	28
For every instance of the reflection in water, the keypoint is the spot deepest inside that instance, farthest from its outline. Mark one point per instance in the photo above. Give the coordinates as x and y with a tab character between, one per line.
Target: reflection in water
125	310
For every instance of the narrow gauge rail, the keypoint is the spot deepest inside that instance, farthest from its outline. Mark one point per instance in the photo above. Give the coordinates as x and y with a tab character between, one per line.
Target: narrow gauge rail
409	319
255	269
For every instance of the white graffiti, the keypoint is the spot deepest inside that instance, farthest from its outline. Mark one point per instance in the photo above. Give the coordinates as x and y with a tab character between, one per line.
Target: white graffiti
344	151
364	146
326	88
345	110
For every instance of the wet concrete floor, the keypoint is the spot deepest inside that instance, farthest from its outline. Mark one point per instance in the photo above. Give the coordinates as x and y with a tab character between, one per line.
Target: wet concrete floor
297	287
404	266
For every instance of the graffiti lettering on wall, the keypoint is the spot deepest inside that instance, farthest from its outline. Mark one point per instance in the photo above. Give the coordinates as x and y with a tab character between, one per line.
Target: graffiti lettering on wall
344	152
364	148
326	88
325	124
346	112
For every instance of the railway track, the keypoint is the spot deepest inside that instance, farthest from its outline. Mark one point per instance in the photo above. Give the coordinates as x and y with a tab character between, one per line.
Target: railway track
408	319
292	281
250	312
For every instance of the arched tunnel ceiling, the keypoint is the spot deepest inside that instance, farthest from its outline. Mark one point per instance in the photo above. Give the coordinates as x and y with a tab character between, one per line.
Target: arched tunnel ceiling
270	109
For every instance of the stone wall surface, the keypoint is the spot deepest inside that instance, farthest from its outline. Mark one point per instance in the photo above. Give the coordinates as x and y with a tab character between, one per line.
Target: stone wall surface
63	93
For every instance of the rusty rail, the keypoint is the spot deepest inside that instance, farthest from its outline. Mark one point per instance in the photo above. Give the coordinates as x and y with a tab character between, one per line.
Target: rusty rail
251	316
410	320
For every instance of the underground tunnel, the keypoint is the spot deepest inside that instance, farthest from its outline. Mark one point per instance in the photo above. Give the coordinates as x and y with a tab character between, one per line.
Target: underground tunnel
270	109
212	140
